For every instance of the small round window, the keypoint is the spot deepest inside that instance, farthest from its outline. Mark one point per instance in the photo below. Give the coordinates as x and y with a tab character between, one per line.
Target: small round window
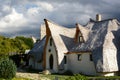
49	50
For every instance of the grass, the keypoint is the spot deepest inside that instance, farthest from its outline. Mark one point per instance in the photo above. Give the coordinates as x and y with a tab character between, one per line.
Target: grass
102	77
21	79
63	77
16	79
54	76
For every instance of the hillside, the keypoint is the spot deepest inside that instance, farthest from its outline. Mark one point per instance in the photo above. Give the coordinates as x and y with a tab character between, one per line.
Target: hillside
14	45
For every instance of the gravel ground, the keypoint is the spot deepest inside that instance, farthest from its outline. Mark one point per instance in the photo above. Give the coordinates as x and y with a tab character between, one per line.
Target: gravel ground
33	76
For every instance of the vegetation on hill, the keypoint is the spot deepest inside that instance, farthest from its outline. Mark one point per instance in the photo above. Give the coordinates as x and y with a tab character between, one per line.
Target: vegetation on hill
14	45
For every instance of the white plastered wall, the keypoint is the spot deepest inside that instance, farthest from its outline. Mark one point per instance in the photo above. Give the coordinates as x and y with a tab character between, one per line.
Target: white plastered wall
53	52
84	66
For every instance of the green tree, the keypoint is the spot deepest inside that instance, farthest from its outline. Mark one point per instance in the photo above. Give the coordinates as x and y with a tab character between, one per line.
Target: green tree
15	45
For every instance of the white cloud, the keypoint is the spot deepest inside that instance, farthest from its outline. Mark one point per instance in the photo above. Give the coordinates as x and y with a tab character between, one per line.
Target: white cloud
6	8
46	6
12	21
32	12
39	12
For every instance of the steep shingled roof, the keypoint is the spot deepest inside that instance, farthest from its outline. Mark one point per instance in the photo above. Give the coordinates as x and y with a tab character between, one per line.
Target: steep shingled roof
37	50
84	31
103	42
62	37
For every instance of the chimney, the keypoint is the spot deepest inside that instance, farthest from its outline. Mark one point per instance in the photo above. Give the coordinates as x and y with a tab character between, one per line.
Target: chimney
98	17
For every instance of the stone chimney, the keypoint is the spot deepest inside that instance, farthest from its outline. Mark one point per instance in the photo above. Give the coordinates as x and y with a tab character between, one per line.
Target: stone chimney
98	17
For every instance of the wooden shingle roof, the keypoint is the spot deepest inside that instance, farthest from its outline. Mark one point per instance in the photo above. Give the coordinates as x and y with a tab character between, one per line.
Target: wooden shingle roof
37	50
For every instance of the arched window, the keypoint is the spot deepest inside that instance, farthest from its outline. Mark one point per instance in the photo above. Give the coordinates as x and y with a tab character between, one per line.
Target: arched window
51	61
50	41
65	60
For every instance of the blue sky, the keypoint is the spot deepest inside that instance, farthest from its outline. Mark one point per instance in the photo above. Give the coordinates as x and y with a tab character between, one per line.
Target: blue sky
24	17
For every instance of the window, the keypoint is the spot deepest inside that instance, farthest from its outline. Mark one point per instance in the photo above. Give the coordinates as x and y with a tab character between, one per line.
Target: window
49	50
81	39
65	60
79	57
91	57
50	41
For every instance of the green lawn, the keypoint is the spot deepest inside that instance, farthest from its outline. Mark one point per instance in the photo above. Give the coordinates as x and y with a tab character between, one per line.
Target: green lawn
53	76
16	79
20	79
63	77
107	78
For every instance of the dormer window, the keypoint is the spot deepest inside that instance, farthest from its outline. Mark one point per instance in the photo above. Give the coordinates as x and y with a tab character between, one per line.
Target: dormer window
50	41
81	40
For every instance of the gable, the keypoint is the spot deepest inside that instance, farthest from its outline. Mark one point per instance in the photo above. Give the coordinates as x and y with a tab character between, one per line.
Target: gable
57	32
60	35
82	34
50	46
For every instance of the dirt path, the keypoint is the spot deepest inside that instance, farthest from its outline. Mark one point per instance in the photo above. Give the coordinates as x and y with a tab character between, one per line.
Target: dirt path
33	76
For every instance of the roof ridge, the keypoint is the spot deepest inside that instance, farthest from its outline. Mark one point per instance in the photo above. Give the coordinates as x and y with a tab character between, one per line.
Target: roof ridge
57	24
82	26
55	34
85	31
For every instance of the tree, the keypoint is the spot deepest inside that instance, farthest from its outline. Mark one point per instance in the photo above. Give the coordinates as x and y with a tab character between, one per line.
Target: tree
15	45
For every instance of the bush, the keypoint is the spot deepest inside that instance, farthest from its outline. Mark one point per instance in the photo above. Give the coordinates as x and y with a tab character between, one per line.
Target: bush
7	68
68	72
77	77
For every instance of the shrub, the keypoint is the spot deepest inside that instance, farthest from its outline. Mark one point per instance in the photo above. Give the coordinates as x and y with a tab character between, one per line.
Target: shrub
7	68
68	72
77	77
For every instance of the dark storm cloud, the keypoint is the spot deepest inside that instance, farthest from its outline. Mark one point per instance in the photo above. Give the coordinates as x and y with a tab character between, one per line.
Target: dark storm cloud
5	7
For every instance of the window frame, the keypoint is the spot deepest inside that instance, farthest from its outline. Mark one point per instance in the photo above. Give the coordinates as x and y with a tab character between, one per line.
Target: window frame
65	59
79	57
81	40
91	59
51	41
